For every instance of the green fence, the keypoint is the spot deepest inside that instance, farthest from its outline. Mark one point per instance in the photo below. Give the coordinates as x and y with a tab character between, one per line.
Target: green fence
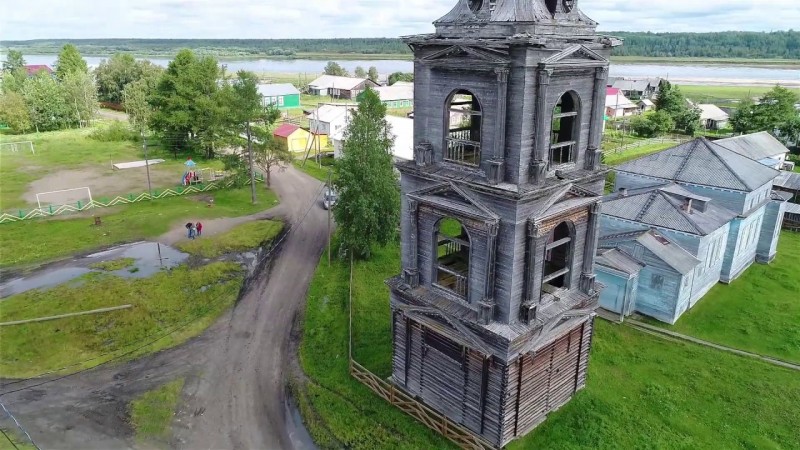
57	210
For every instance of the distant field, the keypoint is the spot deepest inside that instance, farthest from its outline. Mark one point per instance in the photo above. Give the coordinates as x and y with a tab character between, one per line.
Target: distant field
712	94
720	61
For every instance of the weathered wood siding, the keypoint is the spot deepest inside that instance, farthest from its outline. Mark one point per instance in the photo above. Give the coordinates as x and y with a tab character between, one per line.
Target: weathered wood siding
711	250
742	245
616	295
770	232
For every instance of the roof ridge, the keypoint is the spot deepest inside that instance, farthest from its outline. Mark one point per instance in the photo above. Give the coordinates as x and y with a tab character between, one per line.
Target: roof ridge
686	159
683	213
722	160
647	206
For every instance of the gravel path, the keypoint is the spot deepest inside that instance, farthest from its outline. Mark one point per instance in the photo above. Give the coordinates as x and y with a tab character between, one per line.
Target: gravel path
234	394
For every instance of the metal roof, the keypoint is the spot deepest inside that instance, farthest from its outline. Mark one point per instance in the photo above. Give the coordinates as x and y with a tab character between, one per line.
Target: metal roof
792	208
664	249
665	207
704	163
274	90
788	180
333	82
285	130
756	146
712	112
395	92
620	260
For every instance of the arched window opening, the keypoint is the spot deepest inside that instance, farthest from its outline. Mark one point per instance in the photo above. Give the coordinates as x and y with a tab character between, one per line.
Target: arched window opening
475	5
452	264
557	267
552	6
563	139
463	144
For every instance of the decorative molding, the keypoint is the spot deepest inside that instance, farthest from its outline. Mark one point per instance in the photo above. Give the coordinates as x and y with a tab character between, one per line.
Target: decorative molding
423	154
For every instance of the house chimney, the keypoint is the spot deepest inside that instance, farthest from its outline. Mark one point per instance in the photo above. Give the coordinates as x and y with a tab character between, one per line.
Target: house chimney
623	192
688	206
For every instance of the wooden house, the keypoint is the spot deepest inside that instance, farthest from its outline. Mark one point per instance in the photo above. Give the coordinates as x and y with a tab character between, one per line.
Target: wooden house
712	117
283	96
493	312
618	105
296	139
339	87
395	96
762	147
33	69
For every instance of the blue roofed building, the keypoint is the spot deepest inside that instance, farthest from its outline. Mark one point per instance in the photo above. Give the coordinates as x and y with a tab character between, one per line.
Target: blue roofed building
693	215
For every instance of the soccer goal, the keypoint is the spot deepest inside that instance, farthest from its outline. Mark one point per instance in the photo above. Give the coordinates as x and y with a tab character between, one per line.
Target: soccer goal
17	147
64	197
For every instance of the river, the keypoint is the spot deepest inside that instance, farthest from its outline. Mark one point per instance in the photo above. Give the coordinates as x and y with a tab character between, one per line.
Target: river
679	73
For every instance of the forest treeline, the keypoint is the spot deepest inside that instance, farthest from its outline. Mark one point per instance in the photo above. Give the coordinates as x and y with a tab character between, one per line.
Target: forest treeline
728	44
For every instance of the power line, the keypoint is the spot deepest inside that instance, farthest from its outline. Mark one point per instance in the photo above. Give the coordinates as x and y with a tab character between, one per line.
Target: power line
162	336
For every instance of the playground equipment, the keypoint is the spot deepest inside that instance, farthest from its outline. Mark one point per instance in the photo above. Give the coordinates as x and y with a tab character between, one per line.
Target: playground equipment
15	147
66	196
194	175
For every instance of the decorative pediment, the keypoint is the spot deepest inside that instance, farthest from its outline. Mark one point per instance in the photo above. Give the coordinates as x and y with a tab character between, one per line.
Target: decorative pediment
555	327
575	55
451	199
443	324
568	198
467	54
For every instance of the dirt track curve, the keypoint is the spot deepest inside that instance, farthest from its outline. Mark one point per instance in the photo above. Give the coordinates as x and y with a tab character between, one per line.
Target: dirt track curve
234	394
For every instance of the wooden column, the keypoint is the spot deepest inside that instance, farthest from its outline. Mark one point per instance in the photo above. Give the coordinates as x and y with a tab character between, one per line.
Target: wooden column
594	151
487	305
540	153
411	272
533	280
495	171
587	282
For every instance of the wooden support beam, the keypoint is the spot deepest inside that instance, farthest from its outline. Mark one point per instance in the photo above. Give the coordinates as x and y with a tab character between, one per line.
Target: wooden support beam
64	316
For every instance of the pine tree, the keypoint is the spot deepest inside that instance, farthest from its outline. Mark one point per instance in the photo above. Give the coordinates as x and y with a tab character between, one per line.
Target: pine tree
70	61
368	208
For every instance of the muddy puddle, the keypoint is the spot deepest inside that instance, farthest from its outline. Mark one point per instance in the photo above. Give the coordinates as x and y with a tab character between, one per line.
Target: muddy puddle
298	434
148	258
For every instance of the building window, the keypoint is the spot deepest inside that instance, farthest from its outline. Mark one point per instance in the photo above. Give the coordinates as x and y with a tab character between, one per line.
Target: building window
463	142
558	252
280	101
564	132
657	282
452	264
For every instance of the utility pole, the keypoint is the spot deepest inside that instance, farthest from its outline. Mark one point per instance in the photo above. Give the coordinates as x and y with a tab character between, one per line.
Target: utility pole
329	218
146	164
252	172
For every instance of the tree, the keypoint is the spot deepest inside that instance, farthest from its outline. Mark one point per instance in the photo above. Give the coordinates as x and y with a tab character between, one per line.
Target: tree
186	108
333	68
14	80
400	76
14	112
268	153
688	121
69	61
775	112
120	70
14	61
670	99
80	94
367	211
47	103
373	74
652	124
360	72
136	105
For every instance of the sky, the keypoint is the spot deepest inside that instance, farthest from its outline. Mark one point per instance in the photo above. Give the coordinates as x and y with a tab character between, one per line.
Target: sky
263	19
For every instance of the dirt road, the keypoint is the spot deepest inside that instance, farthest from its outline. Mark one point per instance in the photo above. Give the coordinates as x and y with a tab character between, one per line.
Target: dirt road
234	391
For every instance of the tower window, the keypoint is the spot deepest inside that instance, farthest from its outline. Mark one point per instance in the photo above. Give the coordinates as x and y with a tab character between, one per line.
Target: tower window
563	139
558	252
475	5
452	264
463	142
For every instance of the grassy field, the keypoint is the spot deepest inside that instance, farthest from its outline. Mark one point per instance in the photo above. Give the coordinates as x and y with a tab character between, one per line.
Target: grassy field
312	168
724	95
113	265
42	240
240	238
614	159
704	61
643	392
758	312
74	157
151	414
192	298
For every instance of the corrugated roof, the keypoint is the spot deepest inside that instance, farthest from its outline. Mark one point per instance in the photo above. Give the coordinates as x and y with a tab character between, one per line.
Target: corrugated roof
285	130
619	260
788	180
703	163
664	207
330	113
664	249
330	81
33	69
792	208
274	90
756	146
712	112
395	92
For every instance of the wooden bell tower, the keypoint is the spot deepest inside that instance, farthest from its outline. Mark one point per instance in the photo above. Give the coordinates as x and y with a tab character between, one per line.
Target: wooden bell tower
493	312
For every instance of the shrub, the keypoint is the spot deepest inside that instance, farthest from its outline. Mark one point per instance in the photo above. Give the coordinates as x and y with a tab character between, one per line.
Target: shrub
115	132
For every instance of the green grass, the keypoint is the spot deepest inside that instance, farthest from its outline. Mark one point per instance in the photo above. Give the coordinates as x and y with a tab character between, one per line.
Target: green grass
113	265
161	304
243	237
759	312
689	60
615	159
151	414
313	169
643	392
18	443
36	241
73	149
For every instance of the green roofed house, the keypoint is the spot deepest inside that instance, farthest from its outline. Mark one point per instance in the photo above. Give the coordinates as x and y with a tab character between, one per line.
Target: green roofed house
284	96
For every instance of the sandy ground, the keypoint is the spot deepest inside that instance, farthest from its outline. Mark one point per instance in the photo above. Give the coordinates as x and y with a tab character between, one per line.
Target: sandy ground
104	183
235	388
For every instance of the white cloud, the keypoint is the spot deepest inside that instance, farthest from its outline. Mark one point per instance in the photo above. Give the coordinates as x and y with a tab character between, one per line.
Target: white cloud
249	19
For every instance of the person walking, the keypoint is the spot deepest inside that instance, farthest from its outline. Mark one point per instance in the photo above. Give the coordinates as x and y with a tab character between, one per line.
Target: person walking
192	231
189	227
199	229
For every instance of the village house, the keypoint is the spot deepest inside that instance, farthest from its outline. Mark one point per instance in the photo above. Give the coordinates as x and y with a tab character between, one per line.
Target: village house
402	130
618	105
284	95
339	87
692	216
330	118
646	105
712	117
763	147
33	69
395	96
637	88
